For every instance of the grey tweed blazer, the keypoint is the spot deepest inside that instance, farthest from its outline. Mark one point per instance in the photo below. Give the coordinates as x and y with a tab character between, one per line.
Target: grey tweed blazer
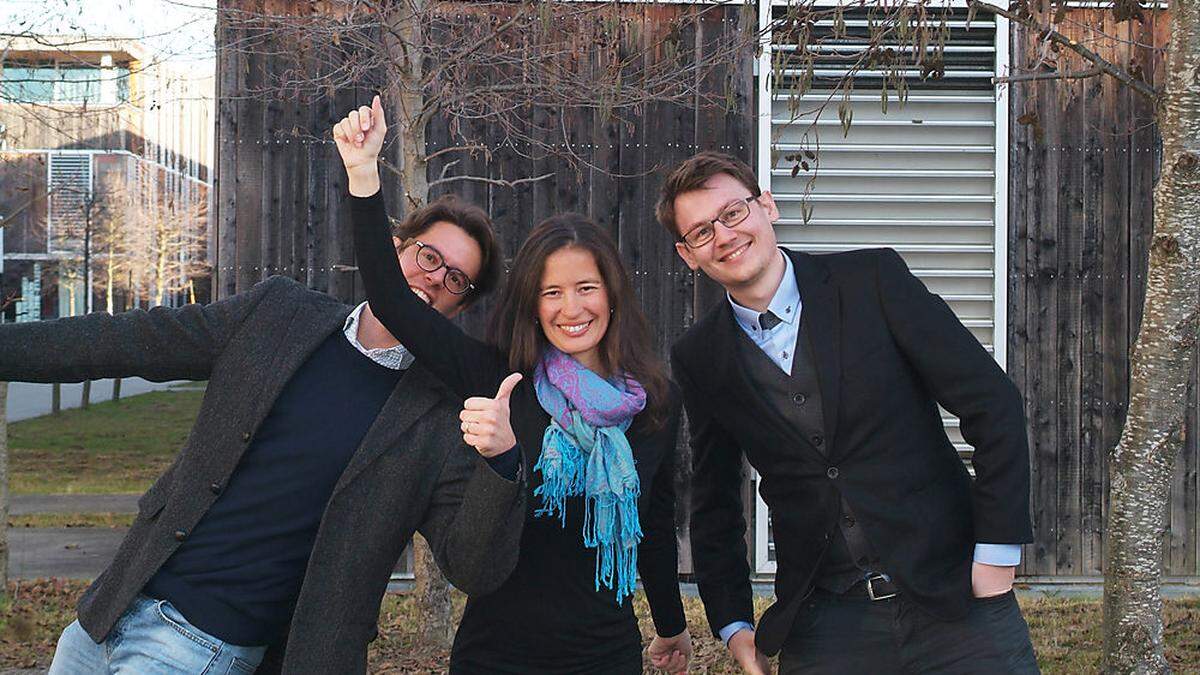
411	472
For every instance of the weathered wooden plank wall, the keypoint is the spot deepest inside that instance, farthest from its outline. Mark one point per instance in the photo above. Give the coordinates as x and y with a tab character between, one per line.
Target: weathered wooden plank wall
281	188
1080	197
1082	172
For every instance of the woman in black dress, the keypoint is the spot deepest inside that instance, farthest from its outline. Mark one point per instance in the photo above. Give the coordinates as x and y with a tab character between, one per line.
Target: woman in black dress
591	418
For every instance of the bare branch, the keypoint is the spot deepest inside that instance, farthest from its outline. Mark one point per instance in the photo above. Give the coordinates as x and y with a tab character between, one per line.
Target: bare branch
493	181
1049	75
1120	74
470	147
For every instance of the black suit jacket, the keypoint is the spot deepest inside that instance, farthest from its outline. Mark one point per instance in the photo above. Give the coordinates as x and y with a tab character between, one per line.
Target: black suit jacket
411	472
887	351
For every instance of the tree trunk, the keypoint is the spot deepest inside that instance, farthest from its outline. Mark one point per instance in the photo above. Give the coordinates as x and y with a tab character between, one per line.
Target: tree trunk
111	268
433	597
404	101
3	491
1142	463
85	398
116	389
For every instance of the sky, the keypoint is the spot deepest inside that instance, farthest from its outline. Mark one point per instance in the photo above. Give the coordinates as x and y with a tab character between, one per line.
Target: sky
179	31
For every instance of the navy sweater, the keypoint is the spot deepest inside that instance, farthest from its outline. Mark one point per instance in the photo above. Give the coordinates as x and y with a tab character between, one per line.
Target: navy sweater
238	574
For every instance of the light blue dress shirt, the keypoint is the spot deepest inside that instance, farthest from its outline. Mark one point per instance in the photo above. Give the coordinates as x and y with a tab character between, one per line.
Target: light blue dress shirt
778	344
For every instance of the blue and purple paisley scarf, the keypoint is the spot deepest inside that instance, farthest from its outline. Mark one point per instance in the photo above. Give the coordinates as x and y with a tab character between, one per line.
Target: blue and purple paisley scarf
585	453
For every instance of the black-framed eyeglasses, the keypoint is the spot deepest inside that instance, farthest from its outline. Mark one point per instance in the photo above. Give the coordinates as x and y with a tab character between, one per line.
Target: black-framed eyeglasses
431	260
730	217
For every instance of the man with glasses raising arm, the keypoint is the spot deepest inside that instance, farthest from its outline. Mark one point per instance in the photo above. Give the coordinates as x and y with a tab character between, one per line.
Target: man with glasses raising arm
319	449
826	372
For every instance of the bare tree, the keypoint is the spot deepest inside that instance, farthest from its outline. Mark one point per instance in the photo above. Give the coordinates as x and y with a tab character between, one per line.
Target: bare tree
162	241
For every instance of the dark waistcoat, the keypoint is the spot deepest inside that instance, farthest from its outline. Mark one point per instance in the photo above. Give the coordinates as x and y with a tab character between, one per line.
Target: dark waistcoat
796	399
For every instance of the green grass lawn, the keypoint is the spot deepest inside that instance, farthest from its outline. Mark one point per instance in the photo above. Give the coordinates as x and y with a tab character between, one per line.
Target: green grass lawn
111	447
1066	632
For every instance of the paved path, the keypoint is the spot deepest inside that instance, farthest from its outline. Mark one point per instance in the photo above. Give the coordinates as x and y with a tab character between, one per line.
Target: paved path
26	399
22	505
66	552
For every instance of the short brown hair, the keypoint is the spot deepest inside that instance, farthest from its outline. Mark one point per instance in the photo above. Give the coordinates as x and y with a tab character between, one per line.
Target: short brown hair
470	219
692	174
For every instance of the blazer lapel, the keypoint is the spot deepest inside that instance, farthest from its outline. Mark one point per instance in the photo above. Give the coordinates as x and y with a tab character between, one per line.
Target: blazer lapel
414	396
821	309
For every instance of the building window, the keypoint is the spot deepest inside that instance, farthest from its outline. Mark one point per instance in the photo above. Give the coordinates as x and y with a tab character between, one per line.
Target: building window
64	83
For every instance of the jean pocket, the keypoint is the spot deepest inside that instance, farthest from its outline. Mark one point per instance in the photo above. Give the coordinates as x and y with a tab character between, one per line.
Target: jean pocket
171	616
239	667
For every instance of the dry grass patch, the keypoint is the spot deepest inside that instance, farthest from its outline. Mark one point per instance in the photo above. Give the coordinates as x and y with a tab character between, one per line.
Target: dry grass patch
1066	632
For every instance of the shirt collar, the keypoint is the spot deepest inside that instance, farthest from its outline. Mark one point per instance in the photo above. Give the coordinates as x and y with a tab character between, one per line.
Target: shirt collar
785	304
395	357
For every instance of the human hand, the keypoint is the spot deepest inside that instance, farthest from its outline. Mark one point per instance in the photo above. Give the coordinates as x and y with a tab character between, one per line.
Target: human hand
359	138
988	581
485	423
752	661
671	654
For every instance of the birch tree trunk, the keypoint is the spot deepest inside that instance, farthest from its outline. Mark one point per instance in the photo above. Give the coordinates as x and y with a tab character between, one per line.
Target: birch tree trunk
3	490
1143	460
405	102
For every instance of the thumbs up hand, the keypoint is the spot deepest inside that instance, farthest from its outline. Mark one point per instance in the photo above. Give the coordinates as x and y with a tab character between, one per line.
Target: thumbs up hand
485	423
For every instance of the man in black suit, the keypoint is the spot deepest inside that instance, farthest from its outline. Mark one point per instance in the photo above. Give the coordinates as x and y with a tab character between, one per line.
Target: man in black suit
826	372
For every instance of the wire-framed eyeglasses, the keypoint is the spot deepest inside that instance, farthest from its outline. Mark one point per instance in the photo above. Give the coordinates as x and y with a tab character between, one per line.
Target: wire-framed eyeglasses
731	216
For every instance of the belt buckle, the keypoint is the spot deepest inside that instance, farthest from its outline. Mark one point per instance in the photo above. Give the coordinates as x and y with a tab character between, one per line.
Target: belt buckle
871	588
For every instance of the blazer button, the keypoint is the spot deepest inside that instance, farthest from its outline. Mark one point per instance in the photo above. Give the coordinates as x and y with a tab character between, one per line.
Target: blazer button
818	440
246	436
832	472
215	488
180	535
799	399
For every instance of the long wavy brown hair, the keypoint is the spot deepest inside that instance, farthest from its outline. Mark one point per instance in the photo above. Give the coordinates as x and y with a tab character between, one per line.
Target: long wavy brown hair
626	346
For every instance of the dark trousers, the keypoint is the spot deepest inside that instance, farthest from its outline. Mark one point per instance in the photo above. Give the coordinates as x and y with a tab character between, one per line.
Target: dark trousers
853	634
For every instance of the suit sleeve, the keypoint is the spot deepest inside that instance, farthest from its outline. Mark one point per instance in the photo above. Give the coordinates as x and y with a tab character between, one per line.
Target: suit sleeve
658	554
474	522
965	380
718	524
160	344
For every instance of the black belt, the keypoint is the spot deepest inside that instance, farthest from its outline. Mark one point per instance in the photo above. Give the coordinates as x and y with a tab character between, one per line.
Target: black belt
875	587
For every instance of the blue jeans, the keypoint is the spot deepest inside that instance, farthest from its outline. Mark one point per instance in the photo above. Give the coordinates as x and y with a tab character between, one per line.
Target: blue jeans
151	638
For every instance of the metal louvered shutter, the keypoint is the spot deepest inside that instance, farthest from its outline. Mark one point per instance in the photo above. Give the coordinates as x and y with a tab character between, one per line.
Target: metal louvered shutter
925	177
70	190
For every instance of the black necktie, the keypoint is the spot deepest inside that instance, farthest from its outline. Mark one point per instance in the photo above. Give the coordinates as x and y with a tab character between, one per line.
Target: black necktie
768	320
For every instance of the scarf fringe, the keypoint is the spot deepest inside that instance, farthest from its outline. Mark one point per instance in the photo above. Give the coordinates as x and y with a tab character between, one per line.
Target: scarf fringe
562	466
615	536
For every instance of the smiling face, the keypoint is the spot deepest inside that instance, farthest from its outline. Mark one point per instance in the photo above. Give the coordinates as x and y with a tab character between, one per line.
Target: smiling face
737	257
458	249
573	307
